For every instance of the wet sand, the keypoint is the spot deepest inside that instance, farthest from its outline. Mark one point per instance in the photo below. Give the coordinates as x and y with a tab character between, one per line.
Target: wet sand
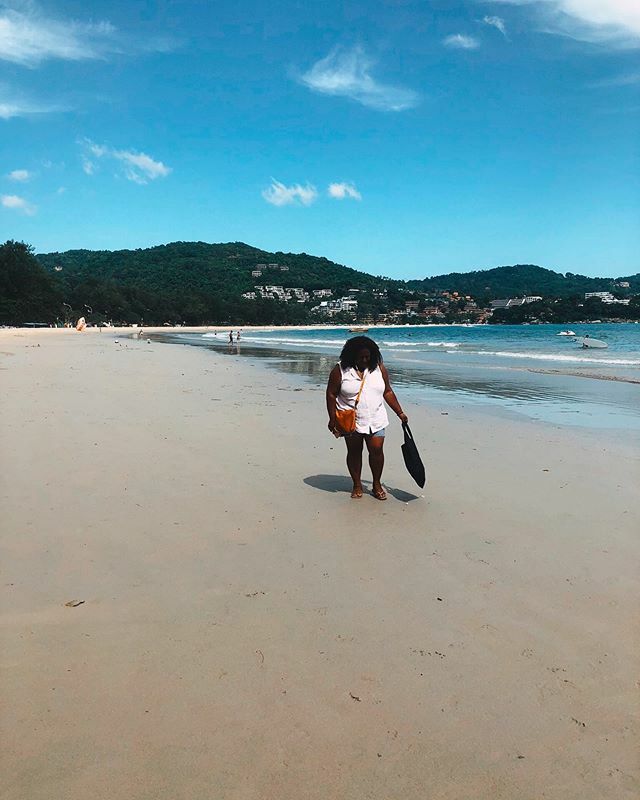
248	631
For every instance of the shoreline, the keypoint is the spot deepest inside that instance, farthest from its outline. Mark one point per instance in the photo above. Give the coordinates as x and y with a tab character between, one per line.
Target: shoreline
497	386
452	368
248	630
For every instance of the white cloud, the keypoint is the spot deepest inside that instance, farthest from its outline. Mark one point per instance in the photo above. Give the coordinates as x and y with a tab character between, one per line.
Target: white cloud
612	22
280	195
97	150
88	166
496	22
20	175
18	204
137	166
461	42
11	107
9	110
347	73
340	191
28	37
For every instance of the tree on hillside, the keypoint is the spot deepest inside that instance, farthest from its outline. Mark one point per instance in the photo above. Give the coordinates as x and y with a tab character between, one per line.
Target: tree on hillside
27	291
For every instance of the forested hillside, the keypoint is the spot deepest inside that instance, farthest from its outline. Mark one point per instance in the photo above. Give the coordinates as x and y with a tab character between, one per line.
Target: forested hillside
194	281
518	281
198	283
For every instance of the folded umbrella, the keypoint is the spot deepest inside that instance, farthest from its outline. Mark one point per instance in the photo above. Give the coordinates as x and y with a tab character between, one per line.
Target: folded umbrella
412	459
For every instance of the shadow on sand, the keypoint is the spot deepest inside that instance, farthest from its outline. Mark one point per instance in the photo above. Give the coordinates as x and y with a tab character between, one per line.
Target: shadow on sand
342	483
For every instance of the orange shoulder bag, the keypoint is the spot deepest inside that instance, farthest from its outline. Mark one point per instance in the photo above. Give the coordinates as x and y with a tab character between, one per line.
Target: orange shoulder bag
346	418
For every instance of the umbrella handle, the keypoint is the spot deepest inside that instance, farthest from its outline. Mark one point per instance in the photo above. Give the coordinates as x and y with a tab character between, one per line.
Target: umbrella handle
407	430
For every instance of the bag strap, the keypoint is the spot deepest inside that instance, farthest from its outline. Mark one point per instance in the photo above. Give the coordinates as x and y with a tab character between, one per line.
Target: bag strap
361	388
407	431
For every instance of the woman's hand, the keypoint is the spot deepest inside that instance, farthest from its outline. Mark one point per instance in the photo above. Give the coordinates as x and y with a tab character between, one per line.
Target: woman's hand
403	417
333	429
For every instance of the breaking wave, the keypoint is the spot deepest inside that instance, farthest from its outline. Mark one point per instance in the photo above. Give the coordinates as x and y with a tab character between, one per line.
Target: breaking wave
627	362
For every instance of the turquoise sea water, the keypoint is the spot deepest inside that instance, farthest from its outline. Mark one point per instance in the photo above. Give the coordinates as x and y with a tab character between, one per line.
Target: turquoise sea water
528	370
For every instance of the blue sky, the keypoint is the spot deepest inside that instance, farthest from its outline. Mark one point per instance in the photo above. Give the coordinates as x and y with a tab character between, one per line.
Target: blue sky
401	138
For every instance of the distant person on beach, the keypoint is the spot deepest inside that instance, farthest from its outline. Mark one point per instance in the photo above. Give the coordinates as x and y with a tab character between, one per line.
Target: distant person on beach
360	371
230	337
238	336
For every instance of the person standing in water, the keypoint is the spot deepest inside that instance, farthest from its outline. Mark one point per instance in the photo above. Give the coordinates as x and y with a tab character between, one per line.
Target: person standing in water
361	371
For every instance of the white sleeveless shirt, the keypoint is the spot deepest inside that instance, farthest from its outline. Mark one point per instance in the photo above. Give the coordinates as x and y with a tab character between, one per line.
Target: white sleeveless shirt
371	414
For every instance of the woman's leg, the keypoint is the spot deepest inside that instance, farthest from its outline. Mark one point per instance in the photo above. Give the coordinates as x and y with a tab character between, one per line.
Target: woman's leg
376	462
354	462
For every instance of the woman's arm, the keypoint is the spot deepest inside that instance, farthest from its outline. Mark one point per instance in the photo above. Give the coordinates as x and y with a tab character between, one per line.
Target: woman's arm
333	390
390	396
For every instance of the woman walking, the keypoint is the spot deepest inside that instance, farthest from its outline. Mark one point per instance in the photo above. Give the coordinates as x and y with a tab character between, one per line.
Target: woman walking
360	382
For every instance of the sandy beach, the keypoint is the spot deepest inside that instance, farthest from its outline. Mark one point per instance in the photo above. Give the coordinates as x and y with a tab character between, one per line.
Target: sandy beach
246	631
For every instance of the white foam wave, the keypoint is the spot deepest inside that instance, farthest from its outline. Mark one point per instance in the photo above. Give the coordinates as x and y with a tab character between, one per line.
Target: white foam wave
393	345
280	340
298	342
627	362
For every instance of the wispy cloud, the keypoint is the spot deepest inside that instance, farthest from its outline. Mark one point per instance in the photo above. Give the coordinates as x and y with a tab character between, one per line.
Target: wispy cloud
340	191
88	166
20	175
461	41
496	22
12	106
347	73
136	166
28	36
626	79
139	167
612	22
280	195
16	203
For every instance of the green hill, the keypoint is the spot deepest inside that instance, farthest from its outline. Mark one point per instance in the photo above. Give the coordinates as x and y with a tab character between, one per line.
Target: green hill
518	281
200	266
196	283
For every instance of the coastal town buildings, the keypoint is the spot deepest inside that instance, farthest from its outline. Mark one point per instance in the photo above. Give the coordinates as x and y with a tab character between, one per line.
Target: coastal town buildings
514	301
607	297
332	307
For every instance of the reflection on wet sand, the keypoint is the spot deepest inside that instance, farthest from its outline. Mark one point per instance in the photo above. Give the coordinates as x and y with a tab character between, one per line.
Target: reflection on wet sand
515	387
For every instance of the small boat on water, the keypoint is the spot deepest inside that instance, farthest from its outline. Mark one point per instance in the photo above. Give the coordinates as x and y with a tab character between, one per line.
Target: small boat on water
566	333
358	330
588	342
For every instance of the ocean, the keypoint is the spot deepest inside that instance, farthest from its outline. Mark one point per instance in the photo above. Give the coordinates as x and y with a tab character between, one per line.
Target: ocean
525	370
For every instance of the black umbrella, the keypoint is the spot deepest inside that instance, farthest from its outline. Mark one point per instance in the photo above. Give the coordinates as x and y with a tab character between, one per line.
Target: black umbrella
411	456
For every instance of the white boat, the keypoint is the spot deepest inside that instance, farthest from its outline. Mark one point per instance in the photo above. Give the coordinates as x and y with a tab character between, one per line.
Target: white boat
566	333
588	342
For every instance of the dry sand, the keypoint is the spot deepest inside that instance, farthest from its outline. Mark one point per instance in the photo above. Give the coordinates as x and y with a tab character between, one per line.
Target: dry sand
249	632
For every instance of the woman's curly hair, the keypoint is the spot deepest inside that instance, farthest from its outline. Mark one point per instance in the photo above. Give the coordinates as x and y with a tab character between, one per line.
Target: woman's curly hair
353	346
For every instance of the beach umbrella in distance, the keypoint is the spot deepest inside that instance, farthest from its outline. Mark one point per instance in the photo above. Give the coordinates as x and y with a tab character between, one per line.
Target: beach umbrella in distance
411	456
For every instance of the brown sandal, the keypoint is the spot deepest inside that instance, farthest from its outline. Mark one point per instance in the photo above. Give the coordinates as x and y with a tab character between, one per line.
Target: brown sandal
379	494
